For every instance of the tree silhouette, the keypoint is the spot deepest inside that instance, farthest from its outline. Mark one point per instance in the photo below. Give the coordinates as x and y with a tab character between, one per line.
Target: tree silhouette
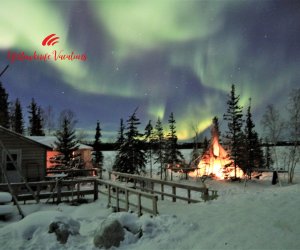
4	107
17	122
234	135
66	141
35	119
97	146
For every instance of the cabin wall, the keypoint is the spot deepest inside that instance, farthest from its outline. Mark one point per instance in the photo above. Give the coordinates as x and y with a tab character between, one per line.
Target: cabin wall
33	156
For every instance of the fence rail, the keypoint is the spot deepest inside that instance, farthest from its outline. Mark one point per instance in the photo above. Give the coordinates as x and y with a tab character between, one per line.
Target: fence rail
115	191
56	189
148	184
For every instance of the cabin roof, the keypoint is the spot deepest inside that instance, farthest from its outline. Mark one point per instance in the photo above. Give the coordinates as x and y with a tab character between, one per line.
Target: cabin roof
22	137
49	141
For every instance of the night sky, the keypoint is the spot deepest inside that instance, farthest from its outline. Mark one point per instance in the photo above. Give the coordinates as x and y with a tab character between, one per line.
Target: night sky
161	56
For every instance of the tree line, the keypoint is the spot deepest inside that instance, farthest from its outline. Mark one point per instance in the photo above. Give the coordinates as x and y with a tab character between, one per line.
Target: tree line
156	146
153	146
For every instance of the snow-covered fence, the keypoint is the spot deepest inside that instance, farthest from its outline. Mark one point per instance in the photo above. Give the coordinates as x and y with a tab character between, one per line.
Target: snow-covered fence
58	189
148	184
122	194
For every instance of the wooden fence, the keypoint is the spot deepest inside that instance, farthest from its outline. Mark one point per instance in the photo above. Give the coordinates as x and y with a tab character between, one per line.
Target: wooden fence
66	188
148	184
74	172
127	195
124	196
52	189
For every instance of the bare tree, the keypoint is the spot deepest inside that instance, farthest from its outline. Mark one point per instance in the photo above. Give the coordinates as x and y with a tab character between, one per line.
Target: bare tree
273	127
293	124
48	119
81	135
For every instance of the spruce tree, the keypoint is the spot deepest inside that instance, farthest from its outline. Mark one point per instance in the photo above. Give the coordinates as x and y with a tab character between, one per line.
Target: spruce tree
234	135
149	137
159	146
35	119
249	144
4	108
97	146
173	155
119	159
253	154
66	141
121	137
131	156
17	122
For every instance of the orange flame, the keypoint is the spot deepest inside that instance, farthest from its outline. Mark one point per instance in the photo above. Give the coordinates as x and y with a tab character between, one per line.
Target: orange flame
216	162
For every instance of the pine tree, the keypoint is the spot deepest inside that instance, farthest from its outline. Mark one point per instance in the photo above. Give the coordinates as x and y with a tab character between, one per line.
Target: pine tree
149	137
66	141
159	146
4	108
253	155
35	119
119	159
131	156
234	135
17	122
121	137
173	155
97	146
249	143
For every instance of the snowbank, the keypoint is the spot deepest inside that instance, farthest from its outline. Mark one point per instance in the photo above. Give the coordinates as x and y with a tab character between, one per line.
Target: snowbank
260	216
5	197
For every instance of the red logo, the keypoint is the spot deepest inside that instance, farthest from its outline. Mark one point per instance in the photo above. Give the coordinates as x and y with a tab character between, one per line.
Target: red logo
50	40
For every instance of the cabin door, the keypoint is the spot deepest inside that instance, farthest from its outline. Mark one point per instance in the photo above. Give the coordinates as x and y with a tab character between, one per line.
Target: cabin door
11	162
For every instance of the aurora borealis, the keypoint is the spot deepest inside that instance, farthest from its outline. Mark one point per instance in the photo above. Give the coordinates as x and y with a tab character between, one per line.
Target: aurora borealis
162	56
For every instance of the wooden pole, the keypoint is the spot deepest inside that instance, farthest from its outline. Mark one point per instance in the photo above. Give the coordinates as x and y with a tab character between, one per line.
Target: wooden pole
18	171
174	193
12	192
139	205
3	71
96	191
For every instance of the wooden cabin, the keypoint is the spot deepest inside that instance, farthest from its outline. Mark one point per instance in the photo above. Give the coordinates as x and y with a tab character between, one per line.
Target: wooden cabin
29	155
84	152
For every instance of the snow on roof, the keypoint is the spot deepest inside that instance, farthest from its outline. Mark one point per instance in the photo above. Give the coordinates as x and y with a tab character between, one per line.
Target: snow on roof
49	141
20	136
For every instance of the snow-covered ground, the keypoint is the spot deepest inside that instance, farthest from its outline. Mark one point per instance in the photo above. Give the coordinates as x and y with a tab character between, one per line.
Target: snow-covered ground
257	215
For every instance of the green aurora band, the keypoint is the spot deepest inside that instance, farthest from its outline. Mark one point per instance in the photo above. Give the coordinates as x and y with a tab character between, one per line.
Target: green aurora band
145	42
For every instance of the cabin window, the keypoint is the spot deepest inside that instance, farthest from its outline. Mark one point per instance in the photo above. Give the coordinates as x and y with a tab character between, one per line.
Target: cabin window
13	160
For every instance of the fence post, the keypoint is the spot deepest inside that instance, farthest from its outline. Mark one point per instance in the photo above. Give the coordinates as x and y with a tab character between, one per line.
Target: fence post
154	205
152	187
189	195
38	190
78	191
95	190
58	192
139	205
117	200
109	196
162	191
126	200
174	193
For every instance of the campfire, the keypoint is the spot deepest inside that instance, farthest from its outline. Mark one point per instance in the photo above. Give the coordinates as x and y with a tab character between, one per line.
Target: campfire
216	161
